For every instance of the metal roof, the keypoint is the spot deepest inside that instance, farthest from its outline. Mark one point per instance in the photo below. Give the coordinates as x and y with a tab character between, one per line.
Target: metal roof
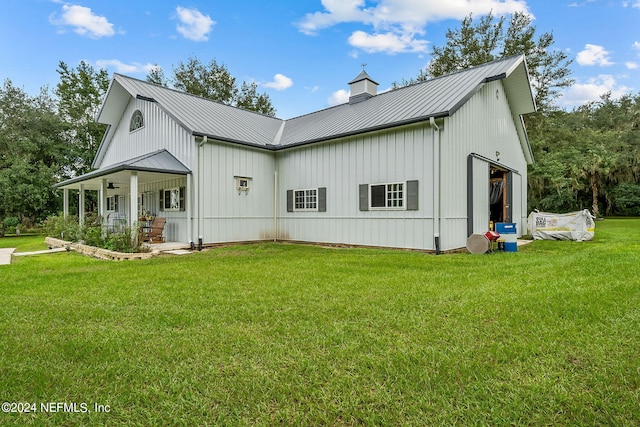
160	161
438	97
196	114
362	76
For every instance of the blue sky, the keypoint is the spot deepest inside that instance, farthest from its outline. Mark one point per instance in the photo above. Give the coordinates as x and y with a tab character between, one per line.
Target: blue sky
302	52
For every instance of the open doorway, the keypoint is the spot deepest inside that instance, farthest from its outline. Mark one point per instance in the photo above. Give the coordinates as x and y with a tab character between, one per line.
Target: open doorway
498	189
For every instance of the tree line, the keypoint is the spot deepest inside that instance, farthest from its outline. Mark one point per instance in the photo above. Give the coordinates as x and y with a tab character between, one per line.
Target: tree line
588	157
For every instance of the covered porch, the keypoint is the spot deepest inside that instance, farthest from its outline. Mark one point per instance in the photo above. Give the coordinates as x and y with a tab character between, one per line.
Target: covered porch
139	189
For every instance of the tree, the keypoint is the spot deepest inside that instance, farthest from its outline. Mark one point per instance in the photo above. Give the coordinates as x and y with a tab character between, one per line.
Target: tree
467	46
249	99
588	158
156	76
80	93
32	154
214	81
476	43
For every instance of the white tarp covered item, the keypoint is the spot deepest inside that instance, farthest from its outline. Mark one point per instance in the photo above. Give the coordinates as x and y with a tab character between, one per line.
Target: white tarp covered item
577	226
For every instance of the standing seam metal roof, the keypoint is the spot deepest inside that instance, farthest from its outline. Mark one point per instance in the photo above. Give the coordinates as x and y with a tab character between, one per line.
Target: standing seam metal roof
438	97
158	161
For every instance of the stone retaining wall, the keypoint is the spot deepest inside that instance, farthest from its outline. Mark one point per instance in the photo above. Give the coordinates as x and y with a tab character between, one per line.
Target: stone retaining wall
95	252
109	255
52	242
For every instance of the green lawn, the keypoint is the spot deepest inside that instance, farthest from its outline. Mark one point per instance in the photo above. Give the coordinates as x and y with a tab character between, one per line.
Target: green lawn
26	243
298	335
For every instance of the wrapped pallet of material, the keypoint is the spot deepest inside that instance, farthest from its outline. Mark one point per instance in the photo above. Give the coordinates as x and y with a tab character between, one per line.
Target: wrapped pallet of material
578	226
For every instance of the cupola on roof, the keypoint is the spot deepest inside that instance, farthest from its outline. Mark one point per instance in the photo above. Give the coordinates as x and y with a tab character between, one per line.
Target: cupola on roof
362	88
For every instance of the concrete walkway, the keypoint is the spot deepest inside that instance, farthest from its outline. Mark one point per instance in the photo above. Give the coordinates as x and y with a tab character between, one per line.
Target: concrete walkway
46	251
5	255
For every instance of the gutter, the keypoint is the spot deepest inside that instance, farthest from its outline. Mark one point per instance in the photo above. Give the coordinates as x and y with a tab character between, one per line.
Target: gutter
274	147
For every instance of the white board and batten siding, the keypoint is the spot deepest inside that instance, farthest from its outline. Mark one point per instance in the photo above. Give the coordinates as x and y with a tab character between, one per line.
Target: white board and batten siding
397	155
229	215
484	126
159	131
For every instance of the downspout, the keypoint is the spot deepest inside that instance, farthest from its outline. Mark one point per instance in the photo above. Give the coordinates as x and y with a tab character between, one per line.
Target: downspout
199	185
436	183
275	206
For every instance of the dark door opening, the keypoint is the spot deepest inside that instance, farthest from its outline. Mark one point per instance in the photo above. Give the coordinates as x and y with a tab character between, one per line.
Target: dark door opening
498	195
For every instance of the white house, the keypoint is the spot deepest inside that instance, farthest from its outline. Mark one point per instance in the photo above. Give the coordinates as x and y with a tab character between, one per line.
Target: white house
420	167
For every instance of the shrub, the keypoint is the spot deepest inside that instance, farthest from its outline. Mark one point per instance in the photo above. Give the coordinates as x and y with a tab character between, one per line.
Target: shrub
123	241
10	223
63	228
92	233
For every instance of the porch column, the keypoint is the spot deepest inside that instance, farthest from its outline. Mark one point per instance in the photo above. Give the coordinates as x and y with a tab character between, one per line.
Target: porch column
102	199
133	202
65	202
81	204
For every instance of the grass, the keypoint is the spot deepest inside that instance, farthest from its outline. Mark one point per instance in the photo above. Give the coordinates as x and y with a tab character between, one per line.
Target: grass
24	243
298	335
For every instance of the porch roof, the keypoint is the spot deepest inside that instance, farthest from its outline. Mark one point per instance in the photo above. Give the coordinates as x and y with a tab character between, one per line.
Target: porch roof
152	167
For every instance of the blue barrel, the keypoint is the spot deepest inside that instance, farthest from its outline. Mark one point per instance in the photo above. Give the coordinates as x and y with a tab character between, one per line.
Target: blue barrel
509	233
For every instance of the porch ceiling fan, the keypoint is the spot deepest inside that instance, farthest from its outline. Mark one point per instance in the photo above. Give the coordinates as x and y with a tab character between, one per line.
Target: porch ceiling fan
110	186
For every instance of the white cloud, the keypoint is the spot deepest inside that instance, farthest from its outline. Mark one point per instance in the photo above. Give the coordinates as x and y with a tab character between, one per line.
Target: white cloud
336	11
84	21
121	67
280	82
390	43
581	93
594	55
631	65
576	4
338	97
634	4
397	23
193	24
636	45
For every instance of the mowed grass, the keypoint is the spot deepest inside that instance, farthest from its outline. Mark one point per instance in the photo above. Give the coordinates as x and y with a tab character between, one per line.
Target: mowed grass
280	334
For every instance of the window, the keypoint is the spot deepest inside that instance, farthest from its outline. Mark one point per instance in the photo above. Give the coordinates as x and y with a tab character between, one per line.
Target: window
172	199
137	121
387	196
112	204
309	200
243	183
305	200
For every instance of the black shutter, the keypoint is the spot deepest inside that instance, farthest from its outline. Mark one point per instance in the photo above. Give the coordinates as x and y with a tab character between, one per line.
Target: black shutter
322	199
364	197
182	204
289	200
412	195
161	200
